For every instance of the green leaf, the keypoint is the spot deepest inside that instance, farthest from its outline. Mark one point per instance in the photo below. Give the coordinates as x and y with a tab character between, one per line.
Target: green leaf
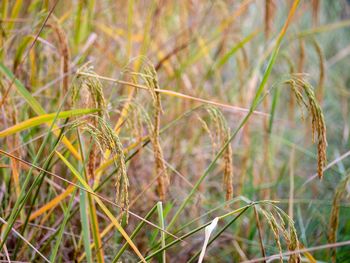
35	121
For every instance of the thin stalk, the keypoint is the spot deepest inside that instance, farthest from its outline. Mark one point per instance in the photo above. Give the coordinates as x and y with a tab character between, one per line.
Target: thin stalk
92	208
260	233
161	223
61	229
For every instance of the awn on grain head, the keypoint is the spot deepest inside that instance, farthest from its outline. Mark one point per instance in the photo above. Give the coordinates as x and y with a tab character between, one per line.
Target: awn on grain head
318	125
90	89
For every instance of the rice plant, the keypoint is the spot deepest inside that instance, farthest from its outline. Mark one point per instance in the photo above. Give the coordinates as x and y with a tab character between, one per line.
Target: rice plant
174	131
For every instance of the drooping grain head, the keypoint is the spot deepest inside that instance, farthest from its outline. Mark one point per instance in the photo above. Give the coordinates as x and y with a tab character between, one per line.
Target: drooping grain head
274	227
278	226
290	236
223	132
107	139
90	89
305	95
151	79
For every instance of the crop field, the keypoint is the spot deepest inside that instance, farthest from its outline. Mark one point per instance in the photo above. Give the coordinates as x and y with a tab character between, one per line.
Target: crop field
175	131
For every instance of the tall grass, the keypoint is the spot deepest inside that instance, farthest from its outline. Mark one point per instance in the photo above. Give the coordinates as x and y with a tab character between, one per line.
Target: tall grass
174	131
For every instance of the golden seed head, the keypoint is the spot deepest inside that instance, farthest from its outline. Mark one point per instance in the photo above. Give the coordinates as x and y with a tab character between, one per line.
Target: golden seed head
299	88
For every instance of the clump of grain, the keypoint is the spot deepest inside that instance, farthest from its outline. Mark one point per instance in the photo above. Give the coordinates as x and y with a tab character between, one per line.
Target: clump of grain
277	224
89	90
318	125
275	230
293	245
107	139
222	131
150	78
290	235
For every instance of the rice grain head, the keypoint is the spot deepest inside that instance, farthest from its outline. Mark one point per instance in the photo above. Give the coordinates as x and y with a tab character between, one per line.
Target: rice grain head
90	91
278	226
274	227
318	125
107	139
223	132
89	88
149	75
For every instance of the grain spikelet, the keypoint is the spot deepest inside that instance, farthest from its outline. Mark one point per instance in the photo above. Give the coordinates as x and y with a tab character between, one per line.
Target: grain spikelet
208	131
89	85
274	227
149	75
89	90
293	244
318	125
223	132
290	236
107	139
278	226
135	121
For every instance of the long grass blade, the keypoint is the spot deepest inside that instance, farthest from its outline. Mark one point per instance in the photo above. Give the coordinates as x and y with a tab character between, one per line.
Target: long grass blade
85	222
162	226
62	227
45	118
208	230
34	104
